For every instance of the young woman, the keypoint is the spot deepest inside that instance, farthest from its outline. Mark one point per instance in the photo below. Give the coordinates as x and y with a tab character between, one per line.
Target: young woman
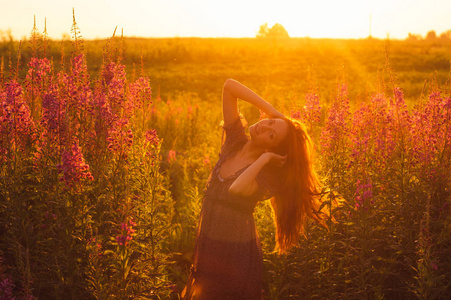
274	161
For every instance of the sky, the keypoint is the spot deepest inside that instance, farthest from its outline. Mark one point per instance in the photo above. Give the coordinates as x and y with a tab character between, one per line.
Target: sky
230	18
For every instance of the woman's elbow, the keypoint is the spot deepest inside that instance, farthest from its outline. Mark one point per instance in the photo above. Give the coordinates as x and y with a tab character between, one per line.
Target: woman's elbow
238	191
234	191
228	84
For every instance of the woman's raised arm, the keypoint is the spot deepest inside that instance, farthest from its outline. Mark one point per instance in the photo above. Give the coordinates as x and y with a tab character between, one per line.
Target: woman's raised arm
232	91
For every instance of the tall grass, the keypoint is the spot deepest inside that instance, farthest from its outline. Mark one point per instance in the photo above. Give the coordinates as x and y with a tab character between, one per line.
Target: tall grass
102	179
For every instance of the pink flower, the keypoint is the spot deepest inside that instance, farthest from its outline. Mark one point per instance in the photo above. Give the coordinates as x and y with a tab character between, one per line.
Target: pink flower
152	137
102	115
434	266
73	167
127	233
312	109
75	87
207	162
296	115
171	156
114	80
95	246
6	289
49	216
190	111
37	75
120	138
54	117
401	121
15	118
431	136
139	96
363	193
336	129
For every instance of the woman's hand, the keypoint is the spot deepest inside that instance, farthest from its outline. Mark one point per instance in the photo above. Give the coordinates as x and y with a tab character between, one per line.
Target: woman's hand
246	184
274	159
234	90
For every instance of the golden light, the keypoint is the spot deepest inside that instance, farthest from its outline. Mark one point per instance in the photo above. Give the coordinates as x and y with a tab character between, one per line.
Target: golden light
236	18
233	18
345	19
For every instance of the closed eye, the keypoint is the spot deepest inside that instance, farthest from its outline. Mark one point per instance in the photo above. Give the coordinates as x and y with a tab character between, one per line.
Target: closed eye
271	122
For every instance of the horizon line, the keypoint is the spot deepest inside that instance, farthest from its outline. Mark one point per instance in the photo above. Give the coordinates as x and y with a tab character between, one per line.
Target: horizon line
68	36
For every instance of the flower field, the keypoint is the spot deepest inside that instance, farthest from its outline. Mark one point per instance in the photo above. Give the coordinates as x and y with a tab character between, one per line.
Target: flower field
102	179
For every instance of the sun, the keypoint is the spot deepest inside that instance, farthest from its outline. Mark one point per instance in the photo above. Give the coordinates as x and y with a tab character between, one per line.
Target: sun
318	19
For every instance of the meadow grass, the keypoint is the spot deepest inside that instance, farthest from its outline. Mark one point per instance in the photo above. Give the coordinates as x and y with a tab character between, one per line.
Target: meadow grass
107	145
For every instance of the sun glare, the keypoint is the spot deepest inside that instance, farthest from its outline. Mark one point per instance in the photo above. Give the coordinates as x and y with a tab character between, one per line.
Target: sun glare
234	18
345	19
322	18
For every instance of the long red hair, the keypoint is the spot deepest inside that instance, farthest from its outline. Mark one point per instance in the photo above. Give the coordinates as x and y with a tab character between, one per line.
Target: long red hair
299	196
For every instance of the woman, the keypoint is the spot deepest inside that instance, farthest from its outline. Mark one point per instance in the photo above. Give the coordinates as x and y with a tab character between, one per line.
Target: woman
275	161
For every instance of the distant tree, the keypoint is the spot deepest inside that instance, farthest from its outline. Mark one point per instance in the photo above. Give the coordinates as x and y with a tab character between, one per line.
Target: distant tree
263	32
431	35
277	31
414	37
446	35
6	36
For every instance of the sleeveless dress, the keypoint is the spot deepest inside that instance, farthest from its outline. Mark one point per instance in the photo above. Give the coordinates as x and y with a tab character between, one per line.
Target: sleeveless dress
228	262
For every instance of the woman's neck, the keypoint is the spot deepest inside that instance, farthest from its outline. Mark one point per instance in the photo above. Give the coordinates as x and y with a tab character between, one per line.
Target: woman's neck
250	152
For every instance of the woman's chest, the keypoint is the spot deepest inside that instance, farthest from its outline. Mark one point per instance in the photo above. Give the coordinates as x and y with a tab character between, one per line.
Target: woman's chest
229	167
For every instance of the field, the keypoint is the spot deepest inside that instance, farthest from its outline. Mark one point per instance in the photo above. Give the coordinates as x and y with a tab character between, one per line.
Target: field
106	147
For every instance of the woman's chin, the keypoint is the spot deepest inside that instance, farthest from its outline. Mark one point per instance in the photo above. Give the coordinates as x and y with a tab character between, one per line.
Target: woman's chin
252	131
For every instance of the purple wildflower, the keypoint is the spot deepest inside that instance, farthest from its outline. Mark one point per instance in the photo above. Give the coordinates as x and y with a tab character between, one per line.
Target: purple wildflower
37	75
364	191
431	136
206	161
296	114
15	118
140	95
152	137
95	247
171	156
6	289
120	138
73	167
312	109
336	124
53	112
103	119
114	80
76	86
127	233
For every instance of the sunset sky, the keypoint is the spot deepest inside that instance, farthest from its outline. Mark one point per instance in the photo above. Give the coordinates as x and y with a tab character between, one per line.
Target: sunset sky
232	18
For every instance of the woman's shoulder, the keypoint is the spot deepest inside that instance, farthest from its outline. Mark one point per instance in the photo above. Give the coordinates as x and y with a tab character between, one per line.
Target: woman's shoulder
234	135
238	123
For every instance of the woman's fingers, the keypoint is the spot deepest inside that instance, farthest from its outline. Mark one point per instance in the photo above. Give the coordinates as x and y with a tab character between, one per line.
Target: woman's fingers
283	160
280	159
276	159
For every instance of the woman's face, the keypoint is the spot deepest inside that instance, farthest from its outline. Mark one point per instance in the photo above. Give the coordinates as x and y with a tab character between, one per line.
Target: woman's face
269	133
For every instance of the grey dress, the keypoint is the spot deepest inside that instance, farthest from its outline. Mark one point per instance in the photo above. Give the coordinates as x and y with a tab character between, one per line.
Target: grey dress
228	261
